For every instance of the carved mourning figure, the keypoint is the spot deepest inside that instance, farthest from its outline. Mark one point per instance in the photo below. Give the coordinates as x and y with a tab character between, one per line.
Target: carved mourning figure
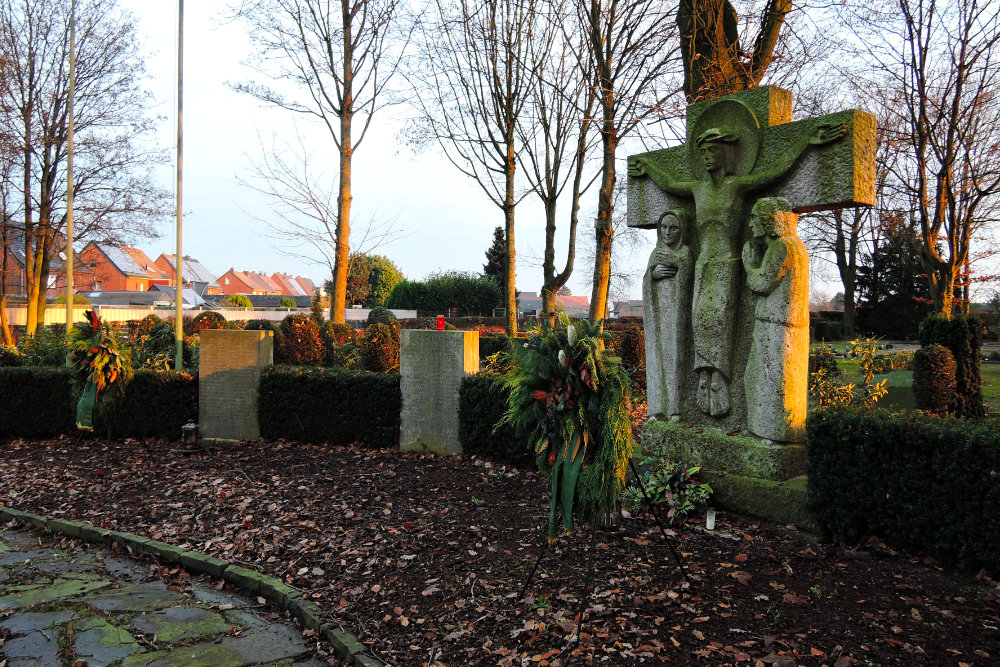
666	292
726	142
777	267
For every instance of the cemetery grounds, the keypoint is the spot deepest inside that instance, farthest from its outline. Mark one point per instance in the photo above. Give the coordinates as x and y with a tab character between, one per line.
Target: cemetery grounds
423	557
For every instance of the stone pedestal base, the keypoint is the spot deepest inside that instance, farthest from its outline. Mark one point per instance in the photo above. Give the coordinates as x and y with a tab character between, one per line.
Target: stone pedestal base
748	475
431	367
229	372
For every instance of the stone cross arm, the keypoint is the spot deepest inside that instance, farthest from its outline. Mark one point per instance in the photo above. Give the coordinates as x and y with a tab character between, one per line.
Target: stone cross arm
824	177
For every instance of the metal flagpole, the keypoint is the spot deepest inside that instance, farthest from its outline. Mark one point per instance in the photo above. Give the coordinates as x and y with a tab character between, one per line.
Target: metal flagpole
69	169
178	282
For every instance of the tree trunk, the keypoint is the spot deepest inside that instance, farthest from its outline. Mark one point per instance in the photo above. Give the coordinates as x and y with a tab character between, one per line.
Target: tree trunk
604	232
510	289
342	252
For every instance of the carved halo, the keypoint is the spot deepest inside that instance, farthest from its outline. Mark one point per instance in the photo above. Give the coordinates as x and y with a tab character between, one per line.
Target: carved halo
736	118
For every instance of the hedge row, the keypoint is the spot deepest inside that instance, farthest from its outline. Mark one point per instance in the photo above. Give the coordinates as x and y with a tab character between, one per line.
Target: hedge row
39	402
962	335
923	483
329	405
481	404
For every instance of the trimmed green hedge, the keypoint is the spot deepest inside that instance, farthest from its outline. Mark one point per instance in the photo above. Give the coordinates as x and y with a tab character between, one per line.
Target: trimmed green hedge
329	405
156	404
923	483
37	401
481	404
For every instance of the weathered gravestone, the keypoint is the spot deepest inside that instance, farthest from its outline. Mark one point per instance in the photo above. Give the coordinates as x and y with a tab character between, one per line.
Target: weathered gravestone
431	367
229	373
726	293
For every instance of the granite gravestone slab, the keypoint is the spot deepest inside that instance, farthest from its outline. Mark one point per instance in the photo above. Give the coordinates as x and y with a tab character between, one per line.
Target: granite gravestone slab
431	367
229	373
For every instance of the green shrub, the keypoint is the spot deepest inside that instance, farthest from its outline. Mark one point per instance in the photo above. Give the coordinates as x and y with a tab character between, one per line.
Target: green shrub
629	343
380	348
892	361
302	345
338	333
146	324
46	347
286	302
237	301
823	330
481	403
824	357
346	357
328	405
155	404
493	343
380	315
208	319
279	337
934	379
922	483
10	356
37	402
963	336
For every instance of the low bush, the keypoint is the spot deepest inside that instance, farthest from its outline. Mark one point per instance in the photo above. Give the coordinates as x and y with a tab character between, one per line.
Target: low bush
824	358
481	404
629	343
10	356
208	319
922	483
891	361
380	348
934	379
493	343
963	336
380	315
327	405
301	345
37	402
46	347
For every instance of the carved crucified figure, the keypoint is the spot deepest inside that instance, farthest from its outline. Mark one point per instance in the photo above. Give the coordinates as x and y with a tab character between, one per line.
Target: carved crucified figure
720	200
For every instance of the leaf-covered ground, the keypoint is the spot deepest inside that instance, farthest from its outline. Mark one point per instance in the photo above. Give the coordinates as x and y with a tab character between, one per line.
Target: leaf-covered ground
423	558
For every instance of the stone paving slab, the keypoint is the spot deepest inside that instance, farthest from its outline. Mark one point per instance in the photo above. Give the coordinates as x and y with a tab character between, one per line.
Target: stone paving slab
112	610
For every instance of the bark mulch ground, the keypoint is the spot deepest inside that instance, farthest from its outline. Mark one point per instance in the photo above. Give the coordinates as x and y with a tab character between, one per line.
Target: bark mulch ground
422	557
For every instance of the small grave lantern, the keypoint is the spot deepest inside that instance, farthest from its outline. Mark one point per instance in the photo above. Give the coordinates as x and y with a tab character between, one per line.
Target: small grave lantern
189	434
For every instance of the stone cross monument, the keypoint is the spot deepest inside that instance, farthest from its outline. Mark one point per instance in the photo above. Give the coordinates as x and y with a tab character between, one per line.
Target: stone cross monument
711	311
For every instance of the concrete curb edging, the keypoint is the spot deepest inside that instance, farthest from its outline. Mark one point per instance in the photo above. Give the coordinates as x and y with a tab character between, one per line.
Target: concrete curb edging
308	613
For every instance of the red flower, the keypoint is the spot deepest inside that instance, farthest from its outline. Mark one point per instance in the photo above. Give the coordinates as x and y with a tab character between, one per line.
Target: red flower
552	459
540	394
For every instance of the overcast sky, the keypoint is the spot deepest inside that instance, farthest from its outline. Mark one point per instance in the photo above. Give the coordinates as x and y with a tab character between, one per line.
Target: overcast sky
449	222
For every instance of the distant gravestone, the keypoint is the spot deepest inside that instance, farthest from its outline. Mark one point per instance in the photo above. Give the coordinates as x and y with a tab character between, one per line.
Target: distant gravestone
229	372
431	366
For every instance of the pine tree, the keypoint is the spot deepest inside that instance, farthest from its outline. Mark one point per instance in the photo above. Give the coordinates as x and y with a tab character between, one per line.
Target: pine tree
496	258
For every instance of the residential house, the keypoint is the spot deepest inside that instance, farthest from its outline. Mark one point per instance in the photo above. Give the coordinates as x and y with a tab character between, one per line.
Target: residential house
115	268
629	308
309	287
195	275
246	282
289	286
530	304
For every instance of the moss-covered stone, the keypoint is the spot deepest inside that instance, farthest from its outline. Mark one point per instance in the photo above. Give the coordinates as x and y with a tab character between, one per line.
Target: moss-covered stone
65	527
344	643
179	623
782	502
95	534
199	563
277	592
10	514
246	580
714	450
128	541
308	613
101	642
166	553
26	596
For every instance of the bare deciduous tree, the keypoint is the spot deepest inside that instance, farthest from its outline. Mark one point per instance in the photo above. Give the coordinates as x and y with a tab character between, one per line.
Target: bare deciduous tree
945	60
114	197
304	208
332	61
626	55
471	88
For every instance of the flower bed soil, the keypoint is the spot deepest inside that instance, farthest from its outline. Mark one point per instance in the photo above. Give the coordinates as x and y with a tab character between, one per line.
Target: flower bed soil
423	557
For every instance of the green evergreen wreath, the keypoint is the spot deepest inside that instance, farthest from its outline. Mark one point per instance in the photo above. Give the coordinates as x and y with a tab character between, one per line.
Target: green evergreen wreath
571	401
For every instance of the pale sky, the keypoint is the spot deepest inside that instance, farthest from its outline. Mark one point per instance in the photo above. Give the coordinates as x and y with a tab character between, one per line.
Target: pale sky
450	221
